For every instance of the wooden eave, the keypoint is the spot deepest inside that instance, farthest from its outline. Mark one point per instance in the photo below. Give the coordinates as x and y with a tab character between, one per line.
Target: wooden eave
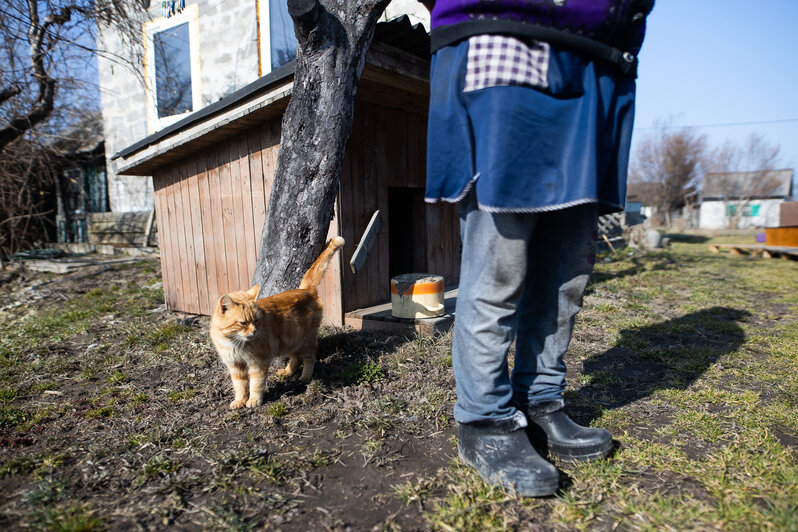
391	77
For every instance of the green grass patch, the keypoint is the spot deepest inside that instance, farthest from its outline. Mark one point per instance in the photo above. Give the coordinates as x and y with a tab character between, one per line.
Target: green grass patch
68	517
469	504
117	377
277	409
176	396
159	466
34	464
105	411
73	317
160	338
360	372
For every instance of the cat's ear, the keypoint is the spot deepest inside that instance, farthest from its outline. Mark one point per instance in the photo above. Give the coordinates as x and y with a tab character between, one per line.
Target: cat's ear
225	303
253	292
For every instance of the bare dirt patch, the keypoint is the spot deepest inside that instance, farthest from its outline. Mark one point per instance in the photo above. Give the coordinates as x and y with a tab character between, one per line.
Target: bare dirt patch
130	418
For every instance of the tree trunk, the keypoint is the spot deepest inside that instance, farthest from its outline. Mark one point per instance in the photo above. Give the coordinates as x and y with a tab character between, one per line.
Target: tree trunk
332	40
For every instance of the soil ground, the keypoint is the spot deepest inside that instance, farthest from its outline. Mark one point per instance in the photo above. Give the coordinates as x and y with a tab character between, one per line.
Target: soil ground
115	412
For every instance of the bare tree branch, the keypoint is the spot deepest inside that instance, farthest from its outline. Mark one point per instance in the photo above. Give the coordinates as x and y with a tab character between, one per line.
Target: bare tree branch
31	97
37	34
9	92
669	163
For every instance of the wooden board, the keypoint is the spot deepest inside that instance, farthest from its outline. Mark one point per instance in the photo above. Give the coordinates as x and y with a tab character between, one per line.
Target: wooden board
782	236
214	223
756	250
200	275
257	183
243	205
176	300
229	222
209	239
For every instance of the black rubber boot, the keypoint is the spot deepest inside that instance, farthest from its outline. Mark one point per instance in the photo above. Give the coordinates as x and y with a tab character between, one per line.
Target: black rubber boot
503	456
550	427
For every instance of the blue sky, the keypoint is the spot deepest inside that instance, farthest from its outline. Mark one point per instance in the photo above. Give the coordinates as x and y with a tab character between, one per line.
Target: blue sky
707	62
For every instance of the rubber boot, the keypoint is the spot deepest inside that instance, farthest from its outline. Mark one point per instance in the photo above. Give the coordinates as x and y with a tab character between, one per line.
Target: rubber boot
504	457
550	427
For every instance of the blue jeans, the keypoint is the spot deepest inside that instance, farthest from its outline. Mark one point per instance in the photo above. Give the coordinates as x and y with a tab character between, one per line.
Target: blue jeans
522	277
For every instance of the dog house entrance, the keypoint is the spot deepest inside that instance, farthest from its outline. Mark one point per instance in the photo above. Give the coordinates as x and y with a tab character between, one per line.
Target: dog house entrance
406	230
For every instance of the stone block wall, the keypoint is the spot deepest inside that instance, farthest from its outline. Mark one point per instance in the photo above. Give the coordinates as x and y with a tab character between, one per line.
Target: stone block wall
228	50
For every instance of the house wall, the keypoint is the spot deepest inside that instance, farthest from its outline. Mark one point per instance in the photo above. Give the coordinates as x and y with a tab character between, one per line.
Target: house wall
228	50
712	214
124	114
228	47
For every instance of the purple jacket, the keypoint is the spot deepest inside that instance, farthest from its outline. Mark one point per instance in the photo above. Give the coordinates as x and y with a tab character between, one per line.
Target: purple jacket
610	30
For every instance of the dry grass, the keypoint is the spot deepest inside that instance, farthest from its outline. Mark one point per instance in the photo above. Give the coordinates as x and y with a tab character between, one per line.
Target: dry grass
114	415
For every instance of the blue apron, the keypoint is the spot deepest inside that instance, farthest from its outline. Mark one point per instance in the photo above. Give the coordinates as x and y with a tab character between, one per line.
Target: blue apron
528	149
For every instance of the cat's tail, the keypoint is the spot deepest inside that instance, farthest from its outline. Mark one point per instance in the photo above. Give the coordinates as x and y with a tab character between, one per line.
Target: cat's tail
313	276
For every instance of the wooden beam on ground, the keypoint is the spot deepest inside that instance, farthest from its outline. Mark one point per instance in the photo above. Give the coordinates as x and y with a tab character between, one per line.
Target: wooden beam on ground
757	250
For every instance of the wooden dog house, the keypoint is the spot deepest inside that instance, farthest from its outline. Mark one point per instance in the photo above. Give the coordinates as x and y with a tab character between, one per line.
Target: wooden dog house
213	171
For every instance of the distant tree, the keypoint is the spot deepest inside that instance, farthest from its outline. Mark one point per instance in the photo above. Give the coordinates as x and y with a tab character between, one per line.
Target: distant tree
739	173
669	161
46	47
42	46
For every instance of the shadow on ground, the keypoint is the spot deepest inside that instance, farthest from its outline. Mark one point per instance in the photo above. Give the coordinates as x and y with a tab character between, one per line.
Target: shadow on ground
649	263
344	358
688	239
669	354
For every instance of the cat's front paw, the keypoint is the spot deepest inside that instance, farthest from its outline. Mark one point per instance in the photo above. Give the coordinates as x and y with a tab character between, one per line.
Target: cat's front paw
254	401
238	403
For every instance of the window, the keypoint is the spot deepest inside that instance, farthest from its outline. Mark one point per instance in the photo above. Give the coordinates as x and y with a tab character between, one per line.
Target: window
172	67
748	210
172	71
277	39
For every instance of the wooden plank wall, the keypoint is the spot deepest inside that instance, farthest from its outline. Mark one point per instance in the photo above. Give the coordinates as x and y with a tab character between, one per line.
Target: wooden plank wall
388	149
127	229
211	208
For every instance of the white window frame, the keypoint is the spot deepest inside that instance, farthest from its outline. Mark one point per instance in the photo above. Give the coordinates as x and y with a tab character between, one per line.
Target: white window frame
265	37
189	15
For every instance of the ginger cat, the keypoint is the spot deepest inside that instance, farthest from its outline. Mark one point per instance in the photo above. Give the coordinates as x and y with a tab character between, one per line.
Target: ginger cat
250	333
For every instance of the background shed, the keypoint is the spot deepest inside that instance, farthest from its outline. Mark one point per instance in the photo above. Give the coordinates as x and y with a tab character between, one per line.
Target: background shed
212	173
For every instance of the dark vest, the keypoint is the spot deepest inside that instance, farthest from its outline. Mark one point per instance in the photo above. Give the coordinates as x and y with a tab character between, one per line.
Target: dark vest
609	30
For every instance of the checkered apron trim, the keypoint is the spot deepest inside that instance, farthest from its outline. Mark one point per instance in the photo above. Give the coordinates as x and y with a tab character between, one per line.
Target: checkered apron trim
501	60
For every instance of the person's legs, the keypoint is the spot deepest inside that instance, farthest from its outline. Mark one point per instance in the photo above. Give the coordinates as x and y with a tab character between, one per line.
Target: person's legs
561	257
491	433
492	271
